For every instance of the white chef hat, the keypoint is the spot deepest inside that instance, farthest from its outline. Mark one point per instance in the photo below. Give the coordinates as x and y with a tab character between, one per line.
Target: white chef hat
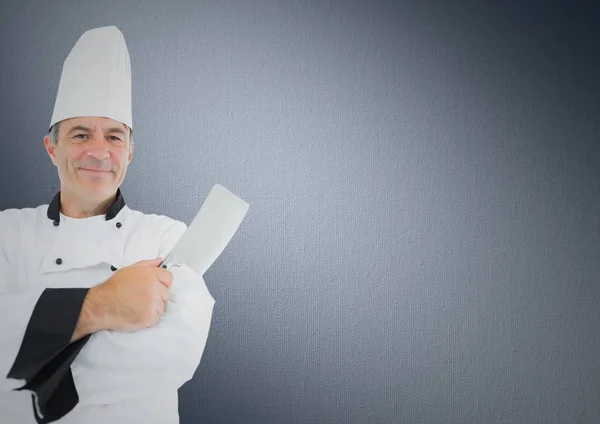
96	78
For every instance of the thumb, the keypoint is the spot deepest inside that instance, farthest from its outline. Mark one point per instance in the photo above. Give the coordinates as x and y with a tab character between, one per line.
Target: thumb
149	262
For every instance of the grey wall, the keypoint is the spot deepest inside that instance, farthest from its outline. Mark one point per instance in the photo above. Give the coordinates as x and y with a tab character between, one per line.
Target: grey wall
423	244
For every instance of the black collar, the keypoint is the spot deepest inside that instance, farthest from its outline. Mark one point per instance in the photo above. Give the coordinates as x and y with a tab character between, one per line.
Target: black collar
113	210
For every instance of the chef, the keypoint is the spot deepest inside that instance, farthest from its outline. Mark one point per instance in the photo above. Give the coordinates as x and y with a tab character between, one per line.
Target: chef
92	328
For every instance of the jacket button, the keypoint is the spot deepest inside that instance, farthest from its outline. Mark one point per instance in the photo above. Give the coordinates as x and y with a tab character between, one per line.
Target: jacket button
112	268
58	261
118	225
55	223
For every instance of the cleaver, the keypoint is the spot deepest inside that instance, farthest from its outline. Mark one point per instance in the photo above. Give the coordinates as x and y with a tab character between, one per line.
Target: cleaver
210	231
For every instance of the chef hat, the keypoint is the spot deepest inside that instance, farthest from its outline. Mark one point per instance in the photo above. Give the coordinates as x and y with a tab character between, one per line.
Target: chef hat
96	78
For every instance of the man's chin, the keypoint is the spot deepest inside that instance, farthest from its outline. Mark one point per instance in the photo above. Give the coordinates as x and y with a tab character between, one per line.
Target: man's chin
98	190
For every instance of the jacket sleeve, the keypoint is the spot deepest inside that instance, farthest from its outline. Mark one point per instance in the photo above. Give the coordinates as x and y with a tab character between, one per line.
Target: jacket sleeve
35	330
115	366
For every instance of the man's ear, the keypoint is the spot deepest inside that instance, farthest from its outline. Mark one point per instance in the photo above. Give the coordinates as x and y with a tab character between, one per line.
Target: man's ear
50	149
130	151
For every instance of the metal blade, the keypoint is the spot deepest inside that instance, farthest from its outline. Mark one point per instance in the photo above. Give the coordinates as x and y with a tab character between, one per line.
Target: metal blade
210	231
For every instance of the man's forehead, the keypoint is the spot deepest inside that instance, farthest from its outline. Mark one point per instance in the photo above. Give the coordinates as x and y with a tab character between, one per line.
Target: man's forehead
94	123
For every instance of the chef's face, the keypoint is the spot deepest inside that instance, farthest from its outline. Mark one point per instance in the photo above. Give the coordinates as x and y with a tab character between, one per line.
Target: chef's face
92	155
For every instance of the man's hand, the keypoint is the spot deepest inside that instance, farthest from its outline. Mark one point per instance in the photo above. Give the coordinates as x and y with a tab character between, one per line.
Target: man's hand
133	298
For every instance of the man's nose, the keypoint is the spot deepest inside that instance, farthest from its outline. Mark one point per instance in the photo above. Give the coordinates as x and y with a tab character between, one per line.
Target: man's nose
98	147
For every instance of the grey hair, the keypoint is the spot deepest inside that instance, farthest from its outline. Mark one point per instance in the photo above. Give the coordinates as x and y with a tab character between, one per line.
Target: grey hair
53	133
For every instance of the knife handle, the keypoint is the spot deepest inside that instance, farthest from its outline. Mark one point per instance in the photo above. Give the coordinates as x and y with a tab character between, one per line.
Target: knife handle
168	262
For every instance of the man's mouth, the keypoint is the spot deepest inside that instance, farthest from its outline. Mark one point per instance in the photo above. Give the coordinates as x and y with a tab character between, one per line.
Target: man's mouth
99	171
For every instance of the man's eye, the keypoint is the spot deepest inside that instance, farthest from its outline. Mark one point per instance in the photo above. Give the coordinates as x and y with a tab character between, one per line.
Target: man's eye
114	138
80	136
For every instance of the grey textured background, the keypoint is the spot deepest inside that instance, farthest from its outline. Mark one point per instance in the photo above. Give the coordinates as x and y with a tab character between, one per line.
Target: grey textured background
423	244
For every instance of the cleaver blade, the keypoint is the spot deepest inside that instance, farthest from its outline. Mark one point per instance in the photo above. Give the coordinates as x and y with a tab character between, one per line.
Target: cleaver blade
210	231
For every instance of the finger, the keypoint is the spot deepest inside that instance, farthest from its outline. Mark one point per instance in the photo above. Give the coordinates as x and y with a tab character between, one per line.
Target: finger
149	262
165	294
165	277
160	308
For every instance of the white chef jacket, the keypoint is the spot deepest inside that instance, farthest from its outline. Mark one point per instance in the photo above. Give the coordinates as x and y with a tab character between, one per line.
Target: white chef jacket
48	261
